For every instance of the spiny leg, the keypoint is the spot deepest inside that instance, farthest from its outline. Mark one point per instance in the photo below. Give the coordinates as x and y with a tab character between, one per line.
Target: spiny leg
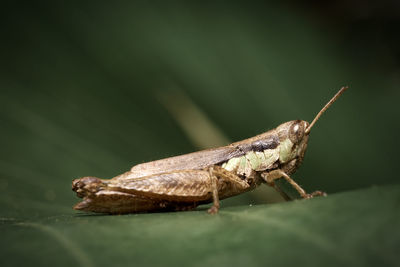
214	187
270	177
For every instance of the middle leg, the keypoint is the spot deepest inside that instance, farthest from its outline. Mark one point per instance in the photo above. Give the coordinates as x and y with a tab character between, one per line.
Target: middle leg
214	187
220	177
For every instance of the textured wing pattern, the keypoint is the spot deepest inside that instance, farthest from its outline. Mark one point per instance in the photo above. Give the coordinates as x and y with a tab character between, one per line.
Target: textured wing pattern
193	161
191	185
202	159
117	203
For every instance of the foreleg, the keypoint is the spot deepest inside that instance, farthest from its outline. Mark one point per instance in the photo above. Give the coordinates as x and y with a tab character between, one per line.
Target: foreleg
270	177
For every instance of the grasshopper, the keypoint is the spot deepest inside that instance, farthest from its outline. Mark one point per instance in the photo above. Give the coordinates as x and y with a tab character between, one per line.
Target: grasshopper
186	181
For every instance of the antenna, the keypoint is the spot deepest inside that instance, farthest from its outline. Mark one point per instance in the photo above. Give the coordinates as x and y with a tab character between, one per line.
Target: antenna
334	98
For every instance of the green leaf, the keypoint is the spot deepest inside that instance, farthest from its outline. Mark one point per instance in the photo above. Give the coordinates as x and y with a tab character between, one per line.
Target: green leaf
358	228
89	89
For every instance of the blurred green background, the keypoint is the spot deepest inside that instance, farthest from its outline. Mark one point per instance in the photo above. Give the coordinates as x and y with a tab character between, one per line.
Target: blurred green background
89	88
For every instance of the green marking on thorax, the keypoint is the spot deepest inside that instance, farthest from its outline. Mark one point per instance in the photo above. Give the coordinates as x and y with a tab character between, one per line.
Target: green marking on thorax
232	164
253	159
257	161
261	157
242	164
285	153
271	156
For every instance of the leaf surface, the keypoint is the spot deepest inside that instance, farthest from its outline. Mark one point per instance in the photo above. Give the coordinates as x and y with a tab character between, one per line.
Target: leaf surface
358	228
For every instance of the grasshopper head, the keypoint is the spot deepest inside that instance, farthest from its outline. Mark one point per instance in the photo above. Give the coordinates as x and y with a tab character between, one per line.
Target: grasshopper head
293	141
293	137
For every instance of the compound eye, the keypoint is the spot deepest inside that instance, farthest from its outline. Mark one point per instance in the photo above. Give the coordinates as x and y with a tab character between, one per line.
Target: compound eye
296	132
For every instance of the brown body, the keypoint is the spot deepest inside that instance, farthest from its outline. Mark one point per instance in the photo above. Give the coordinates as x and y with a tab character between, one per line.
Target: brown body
186	181
176	183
